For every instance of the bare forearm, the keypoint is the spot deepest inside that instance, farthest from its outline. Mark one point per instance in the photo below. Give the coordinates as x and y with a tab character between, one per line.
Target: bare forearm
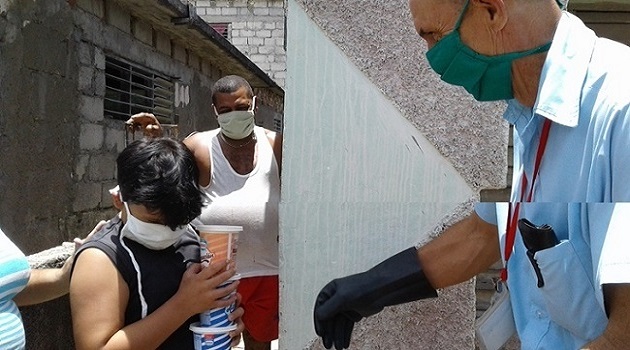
461	252
44	285
147	333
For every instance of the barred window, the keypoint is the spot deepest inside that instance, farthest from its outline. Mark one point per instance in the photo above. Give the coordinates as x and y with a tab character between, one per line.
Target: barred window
131	89
222	28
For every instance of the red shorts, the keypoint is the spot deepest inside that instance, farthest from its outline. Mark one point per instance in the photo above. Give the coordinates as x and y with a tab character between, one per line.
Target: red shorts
260	302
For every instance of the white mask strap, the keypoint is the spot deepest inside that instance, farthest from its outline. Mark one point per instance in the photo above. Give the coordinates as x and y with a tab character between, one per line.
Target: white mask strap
143	302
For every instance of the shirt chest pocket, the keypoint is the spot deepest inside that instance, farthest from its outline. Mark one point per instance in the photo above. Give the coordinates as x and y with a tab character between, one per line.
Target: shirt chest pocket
569	294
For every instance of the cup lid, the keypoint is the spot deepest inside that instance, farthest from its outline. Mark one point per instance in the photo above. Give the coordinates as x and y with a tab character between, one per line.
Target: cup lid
195	327
219	228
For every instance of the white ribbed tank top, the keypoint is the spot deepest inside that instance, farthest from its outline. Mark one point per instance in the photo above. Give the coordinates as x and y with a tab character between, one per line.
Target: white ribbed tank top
250	201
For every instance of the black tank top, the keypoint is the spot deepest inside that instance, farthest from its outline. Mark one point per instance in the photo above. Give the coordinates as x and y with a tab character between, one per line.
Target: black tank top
161	272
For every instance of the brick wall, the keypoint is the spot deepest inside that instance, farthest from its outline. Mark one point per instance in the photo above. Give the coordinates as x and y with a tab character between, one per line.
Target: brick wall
256	27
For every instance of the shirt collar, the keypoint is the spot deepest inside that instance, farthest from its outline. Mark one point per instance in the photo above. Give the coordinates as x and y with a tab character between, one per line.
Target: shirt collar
564	71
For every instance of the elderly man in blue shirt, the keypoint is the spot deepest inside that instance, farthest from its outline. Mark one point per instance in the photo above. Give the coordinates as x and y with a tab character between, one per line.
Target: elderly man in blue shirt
567	93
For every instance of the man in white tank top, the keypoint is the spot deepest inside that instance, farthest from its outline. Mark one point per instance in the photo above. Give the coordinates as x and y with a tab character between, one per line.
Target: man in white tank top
239	169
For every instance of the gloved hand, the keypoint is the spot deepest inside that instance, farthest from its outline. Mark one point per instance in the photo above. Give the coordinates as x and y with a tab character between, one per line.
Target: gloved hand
345	301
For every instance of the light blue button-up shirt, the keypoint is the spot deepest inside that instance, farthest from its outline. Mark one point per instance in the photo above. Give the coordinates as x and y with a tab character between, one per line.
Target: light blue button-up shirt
585	92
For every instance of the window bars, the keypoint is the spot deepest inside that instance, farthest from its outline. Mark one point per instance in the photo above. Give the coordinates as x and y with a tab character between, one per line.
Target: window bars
131	89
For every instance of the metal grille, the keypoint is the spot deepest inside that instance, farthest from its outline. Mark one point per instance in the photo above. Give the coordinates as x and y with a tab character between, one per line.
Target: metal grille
130	89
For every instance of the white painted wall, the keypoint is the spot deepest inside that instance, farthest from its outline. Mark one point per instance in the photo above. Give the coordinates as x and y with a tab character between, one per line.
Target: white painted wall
360	183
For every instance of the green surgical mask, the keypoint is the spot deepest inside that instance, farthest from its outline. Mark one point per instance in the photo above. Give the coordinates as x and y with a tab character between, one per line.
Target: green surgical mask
487	78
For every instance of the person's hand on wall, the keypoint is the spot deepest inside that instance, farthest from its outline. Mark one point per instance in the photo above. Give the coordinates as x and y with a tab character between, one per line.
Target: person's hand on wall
146	122
51	283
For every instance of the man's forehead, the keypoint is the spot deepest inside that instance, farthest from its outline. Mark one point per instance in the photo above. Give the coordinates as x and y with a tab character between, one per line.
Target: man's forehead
241	95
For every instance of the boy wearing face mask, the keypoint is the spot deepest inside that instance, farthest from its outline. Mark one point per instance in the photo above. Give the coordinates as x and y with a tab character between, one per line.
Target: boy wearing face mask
133	286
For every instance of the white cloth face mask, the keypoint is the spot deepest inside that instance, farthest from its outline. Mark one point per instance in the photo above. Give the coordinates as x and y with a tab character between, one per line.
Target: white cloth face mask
237	125
150	235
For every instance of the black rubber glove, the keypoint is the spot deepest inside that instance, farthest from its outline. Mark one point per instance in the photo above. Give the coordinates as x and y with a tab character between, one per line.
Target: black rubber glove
345	301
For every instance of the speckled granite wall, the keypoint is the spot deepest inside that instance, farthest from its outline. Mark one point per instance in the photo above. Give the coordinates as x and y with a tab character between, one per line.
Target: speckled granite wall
379	37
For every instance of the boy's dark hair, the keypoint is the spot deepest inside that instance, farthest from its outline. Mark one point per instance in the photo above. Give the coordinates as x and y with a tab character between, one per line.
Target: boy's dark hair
161	174
229	84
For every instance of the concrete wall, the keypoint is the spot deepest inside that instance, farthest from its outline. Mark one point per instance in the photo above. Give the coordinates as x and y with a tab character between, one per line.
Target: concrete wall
58	149
257	29
614	25
362	183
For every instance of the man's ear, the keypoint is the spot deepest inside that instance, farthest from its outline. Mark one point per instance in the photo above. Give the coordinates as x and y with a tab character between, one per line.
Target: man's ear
256	102
214	108
118	204
496	11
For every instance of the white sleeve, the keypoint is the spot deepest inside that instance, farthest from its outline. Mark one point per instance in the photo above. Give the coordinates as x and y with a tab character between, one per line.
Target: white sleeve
614	261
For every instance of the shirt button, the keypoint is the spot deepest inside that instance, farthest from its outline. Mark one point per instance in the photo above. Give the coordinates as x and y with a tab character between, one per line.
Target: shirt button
539	314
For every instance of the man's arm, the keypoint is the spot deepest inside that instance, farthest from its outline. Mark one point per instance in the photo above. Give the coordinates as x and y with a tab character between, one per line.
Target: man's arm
617	333
199	149
461	252
275	139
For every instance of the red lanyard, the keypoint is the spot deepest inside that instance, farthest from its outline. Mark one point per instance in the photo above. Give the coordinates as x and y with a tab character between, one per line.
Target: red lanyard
512	220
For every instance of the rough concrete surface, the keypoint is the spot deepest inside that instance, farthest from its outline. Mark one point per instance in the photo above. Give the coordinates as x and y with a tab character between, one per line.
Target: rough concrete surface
36	108
379	37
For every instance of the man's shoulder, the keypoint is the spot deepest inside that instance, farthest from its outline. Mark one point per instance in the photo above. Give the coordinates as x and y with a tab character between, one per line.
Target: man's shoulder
271	134
202	134
199	138
607	75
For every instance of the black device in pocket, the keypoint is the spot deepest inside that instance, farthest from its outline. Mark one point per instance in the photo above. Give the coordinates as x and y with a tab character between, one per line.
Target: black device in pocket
537	238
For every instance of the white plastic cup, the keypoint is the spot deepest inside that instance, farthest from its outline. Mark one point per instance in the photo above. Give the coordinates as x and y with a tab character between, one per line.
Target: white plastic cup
222	241
219	317
211	338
